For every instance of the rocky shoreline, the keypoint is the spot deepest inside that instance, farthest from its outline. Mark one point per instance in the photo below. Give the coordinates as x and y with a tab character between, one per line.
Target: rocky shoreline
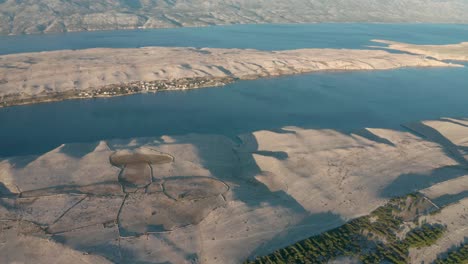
117	90
103	72
449	52
219	201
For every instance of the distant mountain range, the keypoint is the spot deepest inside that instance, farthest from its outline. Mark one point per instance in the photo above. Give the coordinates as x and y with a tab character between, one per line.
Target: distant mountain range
38	16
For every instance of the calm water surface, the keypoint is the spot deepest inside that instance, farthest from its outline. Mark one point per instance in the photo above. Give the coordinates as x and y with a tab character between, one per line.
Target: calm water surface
343	101
264	37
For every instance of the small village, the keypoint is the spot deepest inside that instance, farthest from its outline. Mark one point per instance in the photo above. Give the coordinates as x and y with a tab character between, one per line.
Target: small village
159	85
117	90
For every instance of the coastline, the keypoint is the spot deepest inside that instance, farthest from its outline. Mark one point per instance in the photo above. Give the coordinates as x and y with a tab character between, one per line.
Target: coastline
325	163
285	23
29	78
115	90
124	89
449	52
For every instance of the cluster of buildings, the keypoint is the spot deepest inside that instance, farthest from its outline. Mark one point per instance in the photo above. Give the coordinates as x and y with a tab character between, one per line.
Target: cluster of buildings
153	86
117	89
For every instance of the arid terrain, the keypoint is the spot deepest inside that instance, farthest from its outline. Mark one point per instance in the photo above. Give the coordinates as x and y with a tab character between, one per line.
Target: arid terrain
199	198
38	16
59	75
457	52
207	199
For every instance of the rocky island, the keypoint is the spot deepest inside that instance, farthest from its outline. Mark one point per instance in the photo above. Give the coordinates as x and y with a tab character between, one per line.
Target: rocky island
101	72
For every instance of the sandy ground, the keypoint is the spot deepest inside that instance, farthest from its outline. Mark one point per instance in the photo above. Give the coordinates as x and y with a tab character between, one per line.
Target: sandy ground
18	248
455	218
448	191
450	195
206	199
441	52
449	132
40	73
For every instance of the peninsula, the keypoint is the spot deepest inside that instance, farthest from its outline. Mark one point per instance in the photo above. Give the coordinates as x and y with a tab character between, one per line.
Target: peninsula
457	52
68	74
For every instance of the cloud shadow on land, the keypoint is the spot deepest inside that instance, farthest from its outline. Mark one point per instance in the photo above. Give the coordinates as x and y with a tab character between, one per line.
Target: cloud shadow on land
4	191
454	121
447	199
22	162
247	189
412	182
254	194
452	248
128	255
311	225
243	174
435	136
78	150
365	133
75	150
280	155
104	248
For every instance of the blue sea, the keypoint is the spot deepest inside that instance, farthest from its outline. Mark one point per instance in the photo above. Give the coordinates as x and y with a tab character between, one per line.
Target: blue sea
345	101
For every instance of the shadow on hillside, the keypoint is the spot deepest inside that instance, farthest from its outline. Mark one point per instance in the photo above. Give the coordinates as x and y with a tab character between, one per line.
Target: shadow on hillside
246	189
447	199
311	225
409	183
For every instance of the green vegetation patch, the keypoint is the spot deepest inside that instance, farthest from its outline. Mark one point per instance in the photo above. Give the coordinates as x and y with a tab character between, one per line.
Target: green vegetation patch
424	236
458	256
371	239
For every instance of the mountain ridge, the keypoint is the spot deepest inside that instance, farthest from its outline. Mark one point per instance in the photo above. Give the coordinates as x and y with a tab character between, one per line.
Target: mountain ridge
51	16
